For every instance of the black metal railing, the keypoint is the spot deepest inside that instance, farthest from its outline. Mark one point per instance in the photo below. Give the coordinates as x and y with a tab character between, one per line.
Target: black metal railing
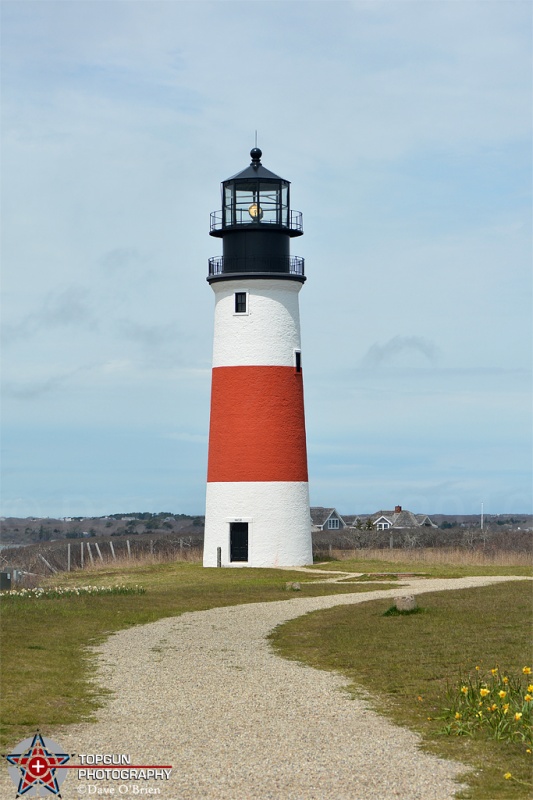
286	265
243	218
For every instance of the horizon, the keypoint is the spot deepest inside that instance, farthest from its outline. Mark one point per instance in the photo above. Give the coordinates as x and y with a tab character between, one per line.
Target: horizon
341	513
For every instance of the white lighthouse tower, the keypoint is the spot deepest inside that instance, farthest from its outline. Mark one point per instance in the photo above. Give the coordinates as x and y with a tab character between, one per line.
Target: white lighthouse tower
257	503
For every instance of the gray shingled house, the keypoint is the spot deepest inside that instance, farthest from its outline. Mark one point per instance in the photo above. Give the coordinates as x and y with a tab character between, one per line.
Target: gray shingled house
400	519
326	519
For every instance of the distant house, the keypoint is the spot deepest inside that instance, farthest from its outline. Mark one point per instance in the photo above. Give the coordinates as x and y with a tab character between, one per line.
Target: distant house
326	519
400	518
350	520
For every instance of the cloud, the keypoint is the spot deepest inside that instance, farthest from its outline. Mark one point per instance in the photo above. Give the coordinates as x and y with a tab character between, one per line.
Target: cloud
34	390
150	336
122	258
390	352
65	309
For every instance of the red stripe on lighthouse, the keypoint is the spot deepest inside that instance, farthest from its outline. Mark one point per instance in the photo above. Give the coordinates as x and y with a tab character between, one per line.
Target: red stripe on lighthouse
257	430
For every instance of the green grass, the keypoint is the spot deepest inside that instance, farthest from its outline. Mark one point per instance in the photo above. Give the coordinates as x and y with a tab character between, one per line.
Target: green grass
46	664
407	663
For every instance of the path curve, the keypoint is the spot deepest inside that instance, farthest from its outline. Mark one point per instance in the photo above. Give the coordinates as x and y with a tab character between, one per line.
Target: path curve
205	693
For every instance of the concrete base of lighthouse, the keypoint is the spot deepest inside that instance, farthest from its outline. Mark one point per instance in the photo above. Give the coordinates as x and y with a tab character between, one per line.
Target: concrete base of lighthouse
263	524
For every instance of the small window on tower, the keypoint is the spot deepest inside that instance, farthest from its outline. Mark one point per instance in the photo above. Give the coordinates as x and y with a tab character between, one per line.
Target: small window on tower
298	360
240	303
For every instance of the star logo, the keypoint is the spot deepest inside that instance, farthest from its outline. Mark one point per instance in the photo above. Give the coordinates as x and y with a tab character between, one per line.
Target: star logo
35	765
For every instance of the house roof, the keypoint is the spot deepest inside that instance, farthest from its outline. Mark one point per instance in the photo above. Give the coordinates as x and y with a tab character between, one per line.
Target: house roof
350	519
379	517
405	519
423	519
402	519
319	514
387	514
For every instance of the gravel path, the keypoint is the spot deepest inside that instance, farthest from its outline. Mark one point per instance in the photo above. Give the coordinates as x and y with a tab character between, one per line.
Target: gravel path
204	693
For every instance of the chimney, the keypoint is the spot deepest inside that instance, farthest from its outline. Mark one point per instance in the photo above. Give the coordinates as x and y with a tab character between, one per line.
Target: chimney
397	509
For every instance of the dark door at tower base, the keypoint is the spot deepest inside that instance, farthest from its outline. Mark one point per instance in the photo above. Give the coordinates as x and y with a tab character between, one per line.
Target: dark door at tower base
238	541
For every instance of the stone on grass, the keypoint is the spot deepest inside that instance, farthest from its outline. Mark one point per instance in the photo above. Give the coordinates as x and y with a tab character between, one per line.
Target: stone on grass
405	603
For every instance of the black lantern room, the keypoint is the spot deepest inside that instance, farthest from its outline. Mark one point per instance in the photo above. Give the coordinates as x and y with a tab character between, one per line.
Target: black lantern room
256	224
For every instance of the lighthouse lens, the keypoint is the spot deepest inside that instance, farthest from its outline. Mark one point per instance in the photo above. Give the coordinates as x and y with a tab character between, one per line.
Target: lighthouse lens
255	211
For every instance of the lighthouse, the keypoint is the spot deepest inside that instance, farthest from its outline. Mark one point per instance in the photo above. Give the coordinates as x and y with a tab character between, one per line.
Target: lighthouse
257	499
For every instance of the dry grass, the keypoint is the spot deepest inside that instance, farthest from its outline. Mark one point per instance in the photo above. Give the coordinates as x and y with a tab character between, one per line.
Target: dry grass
191	555
434	562
454	556
121	563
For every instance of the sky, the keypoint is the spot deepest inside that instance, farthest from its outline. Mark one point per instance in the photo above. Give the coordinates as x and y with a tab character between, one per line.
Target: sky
405	130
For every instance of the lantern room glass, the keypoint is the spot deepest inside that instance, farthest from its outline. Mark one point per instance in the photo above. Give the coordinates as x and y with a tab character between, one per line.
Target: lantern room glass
249	202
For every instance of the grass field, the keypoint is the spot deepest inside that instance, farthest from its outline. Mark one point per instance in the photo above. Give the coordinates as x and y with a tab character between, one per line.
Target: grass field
431	562
408	662
47	663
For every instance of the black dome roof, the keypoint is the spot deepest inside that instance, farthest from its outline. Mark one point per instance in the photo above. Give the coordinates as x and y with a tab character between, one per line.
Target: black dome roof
256	170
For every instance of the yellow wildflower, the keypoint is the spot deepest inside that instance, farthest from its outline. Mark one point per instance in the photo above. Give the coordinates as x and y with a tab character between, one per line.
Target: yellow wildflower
502	694
505	708
464	689
530	687
526	670
507	776
493	707
528	698
528	750
484	692
518	715
505	679
457	715
419	698
494	671
478	668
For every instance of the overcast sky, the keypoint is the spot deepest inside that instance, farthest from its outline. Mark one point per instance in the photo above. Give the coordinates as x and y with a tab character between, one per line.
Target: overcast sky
405	129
